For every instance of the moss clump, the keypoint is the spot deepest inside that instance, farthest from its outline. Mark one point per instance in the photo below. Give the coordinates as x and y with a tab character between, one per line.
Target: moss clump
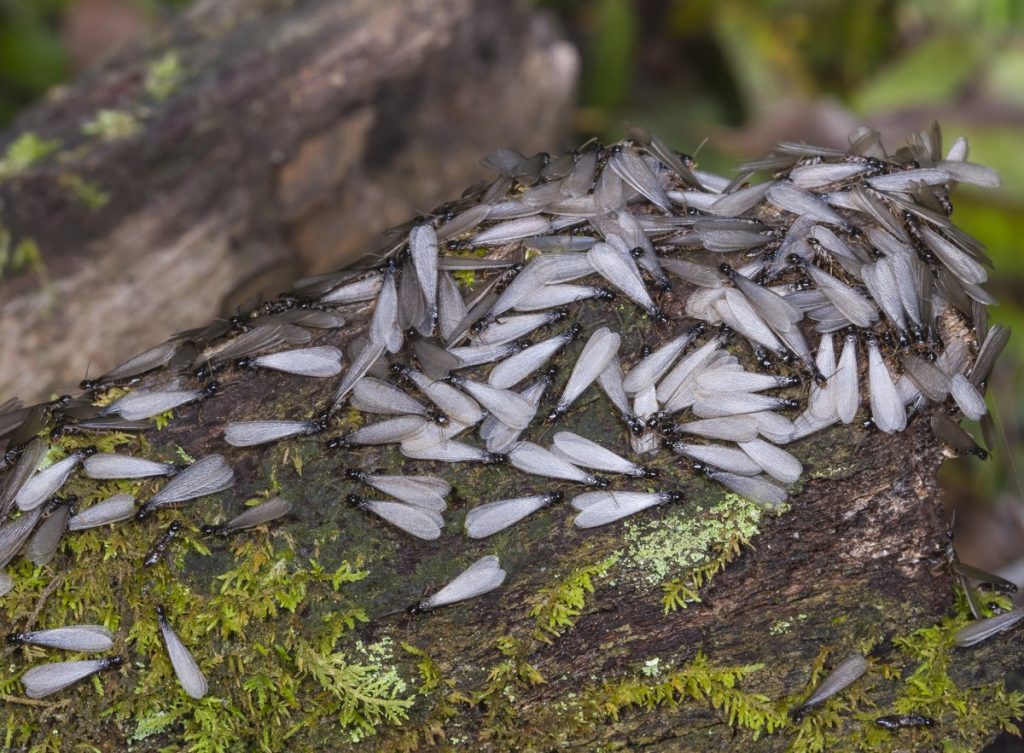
163	76
112	125
559	605
699	681
88	193
25	151
24	255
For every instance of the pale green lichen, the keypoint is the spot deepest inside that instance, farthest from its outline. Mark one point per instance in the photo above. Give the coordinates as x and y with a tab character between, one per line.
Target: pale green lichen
25	151
163	76
112	125
683	538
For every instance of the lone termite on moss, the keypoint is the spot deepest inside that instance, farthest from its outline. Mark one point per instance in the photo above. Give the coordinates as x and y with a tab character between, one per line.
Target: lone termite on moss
843	676
156	552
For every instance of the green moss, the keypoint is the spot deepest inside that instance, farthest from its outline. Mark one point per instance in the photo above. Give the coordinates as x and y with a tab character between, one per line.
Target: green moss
112	125
699	681
90	194
25	151
163	76
558	606
22	256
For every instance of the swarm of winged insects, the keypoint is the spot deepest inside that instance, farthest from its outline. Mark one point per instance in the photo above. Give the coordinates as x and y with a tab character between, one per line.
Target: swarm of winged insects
734	317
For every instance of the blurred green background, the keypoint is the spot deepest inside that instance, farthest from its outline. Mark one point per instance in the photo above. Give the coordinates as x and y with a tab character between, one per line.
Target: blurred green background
730	78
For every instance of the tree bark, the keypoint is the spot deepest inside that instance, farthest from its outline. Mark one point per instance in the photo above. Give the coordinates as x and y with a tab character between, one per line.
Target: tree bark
247	144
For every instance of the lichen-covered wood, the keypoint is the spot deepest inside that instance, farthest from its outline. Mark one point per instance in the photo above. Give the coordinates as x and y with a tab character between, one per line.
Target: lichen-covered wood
696	625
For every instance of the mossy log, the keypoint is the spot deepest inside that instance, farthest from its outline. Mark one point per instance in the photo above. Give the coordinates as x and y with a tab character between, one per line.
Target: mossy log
579	650
245	144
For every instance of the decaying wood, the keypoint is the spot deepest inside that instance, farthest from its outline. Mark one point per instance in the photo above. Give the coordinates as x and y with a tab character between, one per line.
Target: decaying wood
291	134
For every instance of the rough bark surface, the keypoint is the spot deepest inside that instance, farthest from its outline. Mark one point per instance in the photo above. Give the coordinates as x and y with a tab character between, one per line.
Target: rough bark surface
858	561
247	144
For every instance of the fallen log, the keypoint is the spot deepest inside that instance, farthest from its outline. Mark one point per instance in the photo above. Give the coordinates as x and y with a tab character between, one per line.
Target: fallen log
703	622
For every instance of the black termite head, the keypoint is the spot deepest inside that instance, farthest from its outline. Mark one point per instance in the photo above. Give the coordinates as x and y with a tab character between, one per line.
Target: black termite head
903	338
604	294
495	458
438	417
160	612
355	500
819	378
17	638
793	380
798	714
702	468
355	474
556	413
645	350
337	443
211	389
211	530
574	331
454	380
420	607
55	503
319	423
553	497
868	425
796	260
557	315
658	315
804	283
600	482
111	662
673	496
646	471
90	384
790	403
399	369
519	346
726	269
636	426
763	358
208	369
